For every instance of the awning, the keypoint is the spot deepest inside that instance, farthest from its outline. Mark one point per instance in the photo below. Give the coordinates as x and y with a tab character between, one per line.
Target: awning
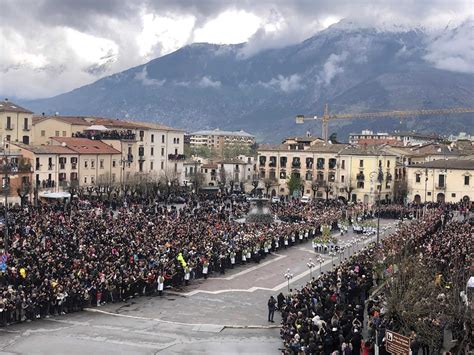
96	128
55	195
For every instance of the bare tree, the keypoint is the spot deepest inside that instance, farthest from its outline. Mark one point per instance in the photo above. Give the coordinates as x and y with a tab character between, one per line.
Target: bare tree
315	185
269	183
23	191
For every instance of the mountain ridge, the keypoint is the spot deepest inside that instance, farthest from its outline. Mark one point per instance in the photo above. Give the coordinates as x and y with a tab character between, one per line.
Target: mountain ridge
203	86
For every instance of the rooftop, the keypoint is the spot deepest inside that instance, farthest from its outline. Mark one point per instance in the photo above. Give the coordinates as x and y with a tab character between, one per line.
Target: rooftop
8	106
218	132
462	164
46	149
366	150
85	146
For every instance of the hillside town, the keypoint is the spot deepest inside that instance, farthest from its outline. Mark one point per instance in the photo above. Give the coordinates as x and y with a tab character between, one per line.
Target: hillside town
48	157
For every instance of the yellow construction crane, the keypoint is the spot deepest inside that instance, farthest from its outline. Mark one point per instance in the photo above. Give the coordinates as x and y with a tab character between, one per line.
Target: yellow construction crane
347	116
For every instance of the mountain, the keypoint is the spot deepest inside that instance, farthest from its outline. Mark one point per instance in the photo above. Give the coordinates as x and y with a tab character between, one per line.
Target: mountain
353	68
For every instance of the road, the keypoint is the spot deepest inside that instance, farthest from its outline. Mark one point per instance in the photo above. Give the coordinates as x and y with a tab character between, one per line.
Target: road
224	314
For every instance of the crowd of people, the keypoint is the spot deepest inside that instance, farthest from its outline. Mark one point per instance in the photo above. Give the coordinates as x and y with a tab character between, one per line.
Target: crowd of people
327	315
60	261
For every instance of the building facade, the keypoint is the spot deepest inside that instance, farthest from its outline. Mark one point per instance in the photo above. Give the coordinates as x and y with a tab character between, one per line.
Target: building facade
217	140
441	181
145	147
15	123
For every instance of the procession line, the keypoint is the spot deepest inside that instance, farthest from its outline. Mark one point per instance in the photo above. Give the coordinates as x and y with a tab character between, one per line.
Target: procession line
246	271
232	326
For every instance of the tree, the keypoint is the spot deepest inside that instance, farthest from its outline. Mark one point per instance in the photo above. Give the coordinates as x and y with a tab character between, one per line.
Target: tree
315	187
268	183
23	191
234	150
327	189
348	189
294	183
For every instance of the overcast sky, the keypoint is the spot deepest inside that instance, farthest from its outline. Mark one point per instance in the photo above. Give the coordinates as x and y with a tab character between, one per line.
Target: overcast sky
51	46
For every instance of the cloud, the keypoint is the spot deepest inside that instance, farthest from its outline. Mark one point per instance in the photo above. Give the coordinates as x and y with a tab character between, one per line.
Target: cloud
453	50
332	67
71	40
143	77
286	84
207	82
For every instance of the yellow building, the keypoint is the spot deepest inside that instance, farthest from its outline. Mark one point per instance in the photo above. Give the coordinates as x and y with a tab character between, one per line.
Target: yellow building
360	166
444	180
15	123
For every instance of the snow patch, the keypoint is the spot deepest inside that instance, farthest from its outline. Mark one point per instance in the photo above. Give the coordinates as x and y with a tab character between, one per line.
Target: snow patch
146	80
286	84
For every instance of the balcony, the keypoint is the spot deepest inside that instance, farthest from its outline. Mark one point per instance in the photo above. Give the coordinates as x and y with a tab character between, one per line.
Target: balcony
296	165
440	186
26	128
10	127
360	177
141	158
73	166
176	157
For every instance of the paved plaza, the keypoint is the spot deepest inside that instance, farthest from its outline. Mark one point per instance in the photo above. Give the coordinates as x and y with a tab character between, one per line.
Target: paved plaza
224	314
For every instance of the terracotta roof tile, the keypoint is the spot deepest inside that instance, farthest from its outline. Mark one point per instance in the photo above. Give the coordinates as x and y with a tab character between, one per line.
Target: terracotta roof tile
8	106
86	146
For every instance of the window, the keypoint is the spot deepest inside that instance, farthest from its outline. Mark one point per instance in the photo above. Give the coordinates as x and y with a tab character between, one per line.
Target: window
114	163
85	179
162	165
151	165
25	124
113	177
142	134
388	163
453	195
64	133
174	140
441	180
342	178
343	164
361	163
92	179
152	138
282	175
162	138
176	151
162	152
92	164
177	140
152	151
429	193
9	122
37	167
43	133
418	177
360	184
86	164
50	163
56	133
9	138
101	163
466	180
332	177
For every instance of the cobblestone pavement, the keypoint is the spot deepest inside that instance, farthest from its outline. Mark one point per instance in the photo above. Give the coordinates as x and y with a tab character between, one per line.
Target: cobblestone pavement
224	314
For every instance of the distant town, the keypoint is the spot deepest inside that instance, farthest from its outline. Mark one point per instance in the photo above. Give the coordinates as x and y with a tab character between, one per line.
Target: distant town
46	156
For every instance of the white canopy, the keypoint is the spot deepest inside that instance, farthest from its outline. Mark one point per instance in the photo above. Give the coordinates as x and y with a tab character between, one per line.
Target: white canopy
55	195
95	127
470	282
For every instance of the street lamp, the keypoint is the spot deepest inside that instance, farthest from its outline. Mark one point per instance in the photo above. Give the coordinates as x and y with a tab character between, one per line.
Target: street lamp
320	260
379	175
332	259
288	276
310	266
